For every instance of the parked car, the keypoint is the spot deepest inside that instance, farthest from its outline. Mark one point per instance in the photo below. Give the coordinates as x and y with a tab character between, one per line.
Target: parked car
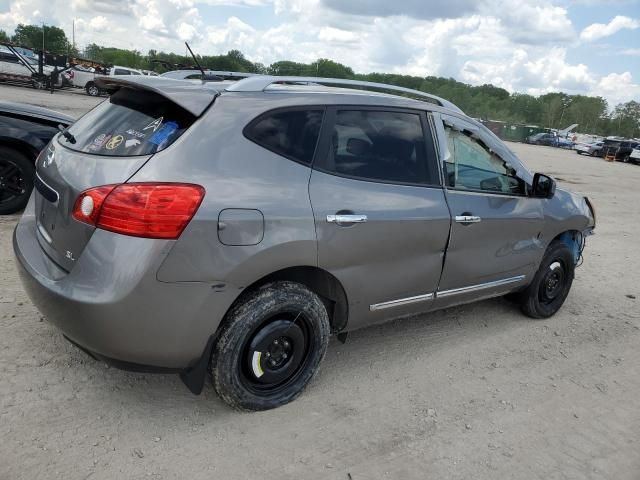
634	156
594	148
86	79
619	148
24	131
549	139
232	227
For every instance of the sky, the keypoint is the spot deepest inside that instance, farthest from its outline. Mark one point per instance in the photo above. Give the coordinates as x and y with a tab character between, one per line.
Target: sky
577	46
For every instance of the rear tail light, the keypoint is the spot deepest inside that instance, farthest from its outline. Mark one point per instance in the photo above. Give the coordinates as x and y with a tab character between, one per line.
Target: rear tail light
150	210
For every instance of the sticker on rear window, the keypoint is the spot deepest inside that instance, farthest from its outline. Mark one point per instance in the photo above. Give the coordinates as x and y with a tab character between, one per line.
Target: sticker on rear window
135	133
114	142
98	142
164	133
154	125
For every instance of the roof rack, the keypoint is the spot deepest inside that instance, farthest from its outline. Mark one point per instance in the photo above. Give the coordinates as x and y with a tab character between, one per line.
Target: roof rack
259	83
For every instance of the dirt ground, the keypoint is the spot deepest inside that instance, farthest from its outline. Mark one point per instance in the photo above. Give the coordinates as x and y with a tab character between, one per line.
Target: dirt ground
477	391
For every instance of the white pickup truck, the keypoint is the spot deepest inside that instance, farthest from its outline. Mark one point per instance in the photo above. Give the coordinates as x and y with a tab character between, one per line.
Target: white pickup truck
84	78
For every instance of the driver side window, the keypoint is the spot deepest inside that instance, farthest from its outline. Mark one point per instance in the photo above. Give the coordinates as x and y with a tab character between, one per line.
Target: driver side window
471	165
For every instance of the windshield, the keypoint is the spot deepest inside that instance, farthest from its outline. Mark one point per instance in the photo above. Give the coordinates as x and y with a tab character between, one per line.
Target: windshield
131	122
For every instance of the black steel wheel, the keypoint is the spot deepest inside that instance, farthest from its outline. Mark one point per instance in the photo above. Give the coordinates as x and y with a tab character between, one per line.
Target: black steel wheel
16	180
551	284
270	346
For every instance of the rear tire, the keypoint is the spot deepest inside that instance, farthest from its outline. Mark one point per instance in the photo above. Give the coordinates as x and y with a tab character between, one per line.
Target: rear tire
551	283
16	180
270	347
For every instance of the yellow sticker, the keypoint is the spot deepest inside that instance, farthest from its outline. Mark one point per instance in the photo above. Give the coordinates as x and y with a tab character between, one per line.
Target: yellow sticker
114	142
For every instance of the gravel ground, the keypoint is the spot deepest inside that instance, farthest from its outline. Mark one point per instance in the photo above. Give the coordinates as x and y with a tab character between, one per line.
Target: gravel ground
477	391
72	101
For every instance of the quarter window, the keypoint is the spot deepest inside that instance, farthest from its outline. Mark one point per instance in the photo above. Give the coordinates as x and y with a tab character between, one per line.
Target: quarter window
471	165
290	133
379	146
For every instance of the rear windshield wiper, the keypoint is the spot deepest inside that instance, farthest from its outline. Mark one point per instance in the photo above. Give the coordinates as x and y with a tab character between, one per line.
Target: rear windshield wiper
66	134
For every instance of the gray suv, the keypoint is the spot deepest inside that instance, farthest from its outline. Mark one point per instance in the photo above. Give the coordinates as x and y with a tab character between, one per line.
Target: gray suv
234	226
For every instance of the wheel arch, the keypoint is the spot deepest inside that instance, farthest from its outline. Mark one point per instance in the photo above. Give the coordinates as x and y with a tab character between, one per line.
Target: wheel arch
26	148
319	281
573	239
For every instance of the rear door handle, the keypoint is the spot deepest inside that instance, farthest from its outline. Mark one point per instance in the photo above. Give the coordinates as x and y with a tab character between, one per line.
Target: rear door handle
467	219
340	219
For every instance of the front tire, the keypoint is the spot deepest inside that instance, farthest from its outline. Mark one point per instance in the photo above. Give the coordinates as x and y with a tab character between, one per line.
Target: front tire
270	347
16	180
551	283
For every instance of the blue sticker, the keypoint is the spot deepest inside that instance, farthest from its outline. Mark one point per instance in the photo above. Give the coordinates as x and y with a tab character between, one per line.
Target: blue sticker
163	133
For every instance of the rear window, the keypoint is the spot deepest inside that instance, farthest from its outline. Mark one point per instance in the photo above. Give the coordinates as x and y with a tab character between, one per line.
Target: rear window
129	123
290	133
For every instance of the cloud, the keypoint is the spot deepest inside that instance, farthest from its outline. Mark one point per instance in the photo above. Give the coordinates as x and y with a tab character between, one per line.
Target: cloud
534	23
596	31
410	8
330	34
617	88
520	45
99	23
114	7
235	34
235	3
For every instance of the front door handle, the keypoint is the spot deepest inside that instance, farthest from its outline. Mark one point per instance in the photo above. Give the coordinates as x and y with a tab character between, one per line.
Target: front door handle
346	219
467	219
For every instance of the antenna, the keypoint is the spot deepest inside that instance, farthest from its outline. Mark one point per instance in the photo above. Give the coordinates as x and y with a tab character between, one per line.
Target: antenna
195	60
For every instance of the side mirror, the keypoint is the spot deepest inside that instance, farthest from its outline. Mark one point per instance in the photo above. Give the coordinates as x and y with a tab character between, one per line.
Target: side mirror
543	186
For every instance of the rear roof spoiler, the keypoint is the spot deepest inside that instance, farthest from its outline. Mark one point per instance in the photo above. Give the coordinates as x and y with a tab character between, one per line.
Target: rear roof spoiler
192	96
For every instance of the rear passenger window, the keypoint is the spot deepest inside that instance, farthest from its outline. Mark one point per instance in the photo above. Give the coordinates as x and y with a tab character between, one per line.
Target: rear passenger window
379	146
290	133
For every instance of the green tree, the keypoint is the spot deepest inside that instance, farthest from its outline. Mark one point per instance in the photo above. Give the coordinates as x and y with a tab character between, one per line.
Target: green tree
3	36
31	36
626	118
324	67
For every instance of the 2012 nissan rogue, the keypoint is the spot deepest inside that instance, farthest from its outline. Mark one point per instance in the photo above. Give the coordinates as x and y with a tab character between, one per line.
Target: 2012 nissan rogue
234	226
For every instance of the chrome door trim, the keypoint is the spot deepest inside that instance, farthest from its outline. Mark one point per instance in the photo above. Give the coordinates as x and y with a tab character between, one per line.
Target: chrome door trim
468	219
346	218
480	286
401	301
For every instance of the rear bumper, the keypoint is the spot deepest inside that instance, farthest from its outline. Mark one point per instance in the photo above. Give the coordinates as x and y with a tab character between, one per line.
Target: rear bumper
111	303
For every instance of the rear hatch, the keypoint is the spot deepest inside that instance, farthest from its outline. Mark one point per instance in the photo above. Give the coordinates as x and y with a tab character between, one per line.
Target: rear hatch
106	146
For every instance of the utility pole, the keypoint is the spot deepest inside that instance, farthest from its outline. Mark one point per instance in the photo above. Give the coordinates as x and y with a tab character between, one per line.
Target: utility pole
73	34
43	38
